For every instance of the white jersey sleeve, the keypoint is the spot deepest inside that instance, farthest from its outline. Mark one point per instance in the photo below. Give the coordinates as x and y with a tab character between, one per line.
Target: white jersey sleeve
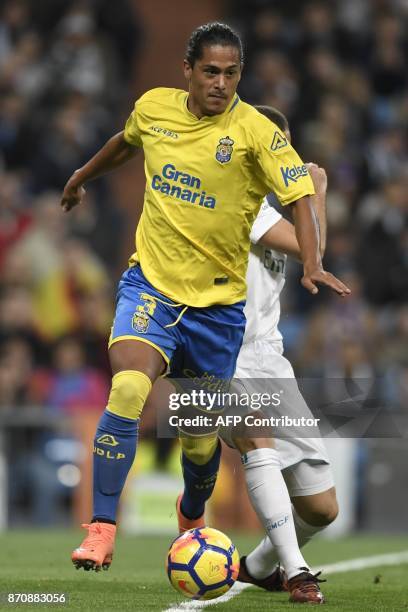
265	281
267	218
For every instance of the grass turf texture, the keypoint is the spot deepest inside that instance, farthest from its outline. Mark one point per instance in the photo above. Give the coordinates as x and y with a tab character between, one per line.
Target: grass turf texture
39	562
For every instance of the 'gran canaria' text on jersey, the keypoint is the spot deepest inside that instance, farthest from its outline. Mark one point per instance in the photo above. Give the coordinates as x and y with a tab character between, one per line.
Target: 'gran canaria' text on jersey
181	186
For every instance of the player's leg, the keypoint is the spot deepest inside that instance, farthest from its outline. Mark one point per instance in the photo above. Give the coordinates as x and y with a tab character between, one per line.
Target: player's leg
135	366
213	337
200	458
270	499
314	507
259	365
262	566
140	346
266	485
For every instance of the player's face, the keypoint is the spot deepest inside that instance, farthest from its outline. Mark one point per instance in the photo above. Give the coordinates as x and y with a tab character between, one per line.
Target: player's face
213	80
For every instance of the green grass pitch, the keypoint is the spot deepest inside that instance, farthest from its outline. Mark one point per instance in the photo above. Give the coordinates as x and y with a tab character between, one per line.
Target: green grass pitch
39	562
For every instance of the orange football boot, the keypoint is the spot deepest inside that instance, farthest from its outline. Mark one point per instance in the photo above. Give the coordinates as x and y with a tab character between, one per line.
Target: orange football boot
96	551
184	523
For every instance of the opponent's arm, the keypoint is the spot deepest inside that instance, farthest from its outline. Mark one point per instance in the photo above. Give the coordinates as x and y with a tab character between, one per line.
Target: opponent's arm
113	154
282	236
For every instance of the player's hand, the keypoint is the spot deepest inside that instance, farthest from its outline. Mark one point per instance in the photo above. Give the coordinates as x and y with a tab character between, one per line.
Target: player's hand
319	178
72	195
310	281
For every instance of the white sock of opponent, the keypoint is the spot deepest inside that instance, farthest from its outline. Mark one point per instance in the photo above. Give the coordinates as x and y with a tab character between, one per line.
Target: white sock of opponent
262	561
270	500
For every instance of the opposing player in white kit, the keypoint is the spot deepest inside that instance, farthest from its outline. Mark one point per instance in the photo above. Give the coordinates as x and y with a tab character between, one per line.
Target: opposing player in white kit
303	461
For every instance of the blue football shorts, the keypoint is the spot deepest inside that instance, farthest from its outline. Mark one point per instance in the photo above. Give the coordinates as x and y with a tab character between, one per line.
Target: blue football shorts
194	342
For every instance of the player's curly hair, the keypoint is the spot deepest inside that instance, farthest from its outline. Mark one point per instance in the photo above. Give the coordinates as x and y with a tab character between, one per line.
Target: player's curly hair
212	34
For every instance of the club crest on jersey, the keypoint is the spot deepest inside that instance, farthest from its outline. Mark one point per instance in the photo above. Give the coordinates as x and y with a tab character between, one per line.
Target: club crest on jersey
224	150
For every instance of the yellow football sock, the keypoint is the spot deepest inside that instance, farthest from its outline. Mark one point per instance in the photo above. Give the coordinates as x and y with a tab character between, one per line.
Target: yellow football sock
199	450
129	392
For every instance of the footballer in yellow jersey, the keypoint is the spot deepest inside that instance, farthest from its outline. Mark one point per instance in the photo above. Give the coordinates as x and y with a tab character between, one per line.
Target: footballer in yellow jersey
209	160
205	180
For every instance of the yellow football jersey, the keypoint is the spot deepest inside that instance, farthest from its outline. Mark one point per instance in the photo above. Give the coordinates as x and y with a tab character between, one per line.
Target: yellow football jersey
205	181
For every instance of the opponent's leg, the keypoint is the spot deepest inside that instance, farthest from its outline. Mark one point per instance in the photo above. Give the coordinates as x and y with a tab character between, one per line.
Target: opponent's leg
270	499
311	514
135	365
262	568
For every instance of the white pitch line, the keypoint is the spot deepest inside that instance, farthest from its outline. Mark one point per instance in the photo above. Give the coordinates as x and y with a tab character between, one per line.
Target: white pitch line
364	562
332	568
197	605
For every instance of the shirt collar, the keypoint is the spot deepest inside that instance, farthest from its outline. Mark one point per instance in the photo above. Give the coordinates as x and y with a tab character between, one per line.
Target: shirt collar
212	118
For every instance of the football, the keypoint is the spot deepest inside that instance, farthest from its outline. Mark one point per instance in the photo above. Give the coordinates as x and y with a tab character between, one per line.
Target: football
202	563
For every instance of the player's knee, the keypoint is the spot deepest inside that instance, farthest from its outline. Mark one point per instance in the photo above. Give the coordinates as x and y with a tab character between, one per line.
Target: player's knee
325	512
322	517
331	507
129	392
318	510
245	445
199	450
331	511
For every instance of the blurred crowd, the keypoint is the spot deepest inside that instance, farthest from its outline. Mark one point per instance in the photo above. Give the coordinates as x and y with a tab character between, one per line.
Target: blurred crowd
64	78
337	69
65	74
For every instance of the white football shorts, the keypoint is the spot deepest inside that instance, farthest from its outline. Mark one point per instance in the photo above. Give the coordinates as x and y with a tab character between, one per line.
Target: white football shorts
304	460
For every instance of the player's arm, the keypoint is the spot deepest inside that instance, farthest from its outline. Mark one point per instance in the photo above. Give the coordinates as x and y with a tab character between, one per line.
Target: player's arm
113	154
319	179
282	236
307	234
281	168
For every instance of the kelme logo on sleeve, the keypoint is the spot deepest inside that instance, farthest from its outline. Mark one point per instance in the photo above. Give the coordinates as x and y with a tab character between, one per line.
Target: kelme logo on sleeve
278	141
224	150
107	439
291	174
